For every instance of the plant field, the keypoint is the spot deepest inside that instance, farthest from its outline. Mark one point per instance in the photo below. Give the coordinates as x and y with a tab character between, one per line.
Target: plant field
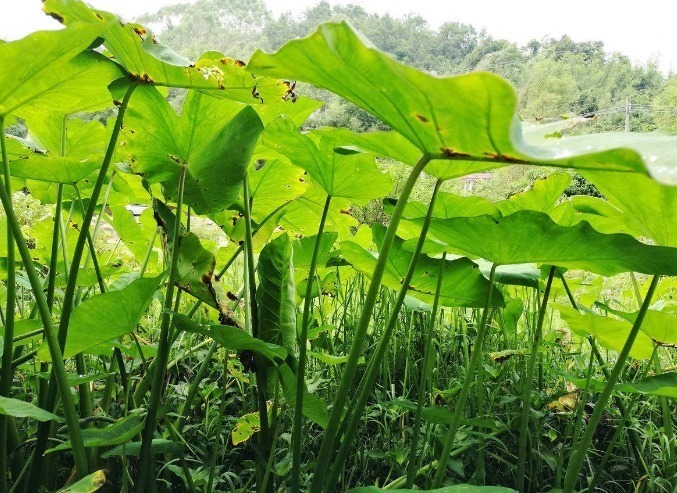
247	329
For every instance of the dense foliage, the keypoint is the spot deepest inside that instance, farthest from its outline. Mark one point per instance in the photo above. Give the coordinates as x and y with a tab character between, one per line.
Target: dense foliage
244	331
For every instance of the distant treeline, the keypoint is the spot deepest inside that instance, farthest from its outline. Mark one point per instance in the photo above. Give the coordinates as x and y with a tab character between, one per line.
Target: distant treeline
553	77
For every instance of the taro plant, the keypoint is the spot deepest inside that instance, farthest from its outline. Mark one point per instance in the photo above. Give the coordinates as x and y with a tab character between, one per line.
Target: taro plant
293	327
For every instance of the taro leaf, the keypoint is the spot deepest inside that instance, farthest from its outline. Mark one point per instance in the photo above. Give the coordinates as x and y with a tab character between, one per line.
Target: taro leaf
106	316
89	484
542	196
352	176
158	446
599	213
457	488
539	133
468	118
663	385
609	332
297	111
273	184
314	408
514	309
303	250
81	156
245	427
132	233
232	338
658	325
195	265
447	205
463	283
42	69
24	326
122	431
302	216
657	149
213	138
90	76
149	61
514	274
276	295
648	207
383	144
530	236
21	409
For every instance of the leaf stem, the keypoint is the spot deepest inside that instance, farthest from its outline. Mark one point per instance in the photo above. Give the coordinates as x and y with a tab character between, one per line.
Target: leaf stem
146	462
359	337
578	456
423	382
297	437
526	389
465	389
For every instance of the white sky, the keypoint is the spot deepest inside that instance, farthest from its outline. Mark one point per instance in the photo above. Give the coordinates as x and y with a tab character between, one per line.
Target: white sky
643	31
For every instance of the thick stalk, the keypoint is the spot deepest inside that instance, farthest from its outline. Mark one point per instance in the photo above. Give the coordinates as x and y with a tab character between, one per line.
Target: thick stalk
359	337
69	293
526	391
297	438
263	436
632	433
475	358
59	368
6	374
360	402
146	461
578	456
423	382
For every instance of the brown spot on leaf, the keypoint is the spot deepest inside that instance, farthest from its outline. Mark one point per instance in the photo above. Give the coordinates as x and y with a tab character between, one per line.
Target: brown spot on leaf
421	118
56	16
451	153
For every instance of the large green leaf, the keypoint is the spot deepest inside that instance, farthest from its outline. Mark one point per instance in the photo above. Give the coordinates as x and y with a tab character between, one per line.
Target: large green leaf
542	196
599	213
447	205
233	338
663	385
314	408
42	70
149	61
529	236
661	326
273	183
88	484
302	217
609	332
469	119
276	294
353	175
82	154
648	207
21	409
195	264
463	283
213	138
106	316
132	233
383	144
122	431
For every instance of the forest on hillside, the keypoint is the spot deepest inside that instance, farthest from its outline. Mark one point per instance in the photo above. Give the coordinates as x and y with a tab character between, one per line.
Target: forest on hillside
553	77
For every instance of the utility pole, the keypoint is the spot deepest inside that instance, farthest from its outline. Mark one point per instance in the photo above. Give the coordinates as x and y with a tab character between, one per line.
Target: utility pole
628	107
